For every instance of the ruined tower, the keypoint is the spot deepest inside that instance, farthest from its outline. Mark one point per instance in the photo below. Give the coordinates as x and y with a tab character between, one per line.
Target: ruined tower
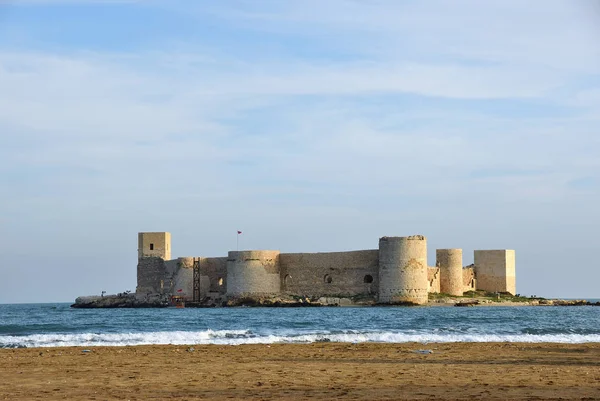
403	269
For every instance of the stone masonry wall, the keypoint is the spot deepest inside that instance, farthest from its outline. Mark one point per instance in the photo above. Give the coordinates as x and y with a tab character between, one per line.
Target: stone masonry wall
150	276
253	273
154	244
495	270
213	276
433	275
469	279
178	277
403	269
450	263
182	278
330	273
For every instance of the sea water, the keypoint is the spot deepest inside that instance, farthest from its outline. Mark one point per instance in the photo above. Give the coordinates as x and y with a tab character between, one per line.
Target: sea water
52	325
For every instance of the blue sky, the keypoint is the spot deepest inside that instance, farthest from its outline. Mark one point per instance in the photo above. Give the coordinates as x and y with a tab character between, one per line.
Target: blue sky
309	125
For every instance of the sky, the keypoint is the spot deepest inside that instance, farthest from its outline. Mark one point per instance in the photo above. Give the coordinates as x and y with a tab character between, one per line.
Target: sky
308	125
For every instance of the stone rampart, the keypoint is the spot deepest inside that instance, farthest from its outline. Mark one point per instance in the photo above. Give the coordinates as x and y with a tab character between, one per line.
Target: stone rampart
178	277
213	276
330	274
151	273
397	272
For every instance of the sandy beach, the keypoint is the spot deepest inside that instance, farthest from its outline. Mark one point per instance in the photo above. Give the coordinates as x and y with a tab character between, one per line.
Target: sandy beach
459	371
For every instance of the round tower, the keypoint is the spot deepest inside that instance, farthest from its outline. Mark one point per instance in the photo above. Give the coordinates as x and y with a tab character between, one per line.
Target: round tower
253	273
450	263
403	269
183	277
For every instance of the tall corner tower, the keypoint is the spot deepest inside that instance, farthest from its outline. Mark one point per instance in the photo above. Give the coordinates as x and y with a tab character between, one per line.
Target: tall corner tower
403	269
154	244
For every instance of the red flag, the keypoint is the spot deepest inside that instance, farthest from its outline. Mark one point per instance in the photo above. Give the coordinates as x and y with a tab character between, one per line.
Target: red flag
180	290
239	232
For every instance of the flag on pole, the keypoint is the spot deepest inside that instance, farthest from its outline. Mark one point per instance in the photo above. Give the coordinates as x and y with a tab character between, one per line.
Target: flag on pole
239	232
180	290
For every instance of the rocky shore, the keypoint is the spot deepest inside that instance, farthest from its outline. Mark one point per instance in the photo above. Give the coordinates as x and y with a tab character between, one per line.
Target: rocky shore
124	300
488	302
129	300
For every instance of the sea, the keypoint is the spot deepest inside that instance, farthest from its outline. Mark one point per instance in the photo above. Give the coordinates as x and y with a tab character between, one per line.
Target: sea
58	325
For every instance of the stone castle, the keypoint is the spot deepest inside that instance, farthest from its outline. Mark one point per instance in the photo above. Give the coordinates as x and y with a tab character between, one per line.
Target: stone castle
396	272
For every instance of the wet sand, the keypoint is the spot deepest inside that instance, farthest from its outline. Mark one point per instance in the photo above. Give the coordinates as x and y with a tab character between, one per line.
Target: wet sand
463	371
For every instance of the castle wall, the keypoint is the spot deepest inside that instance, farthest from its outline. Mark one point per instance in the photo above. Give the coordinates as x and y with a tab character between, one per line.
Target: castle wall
469	279
213	276
253	273
495	270
403	269
150	276
433	276
182	277
451	276
396	272
330	273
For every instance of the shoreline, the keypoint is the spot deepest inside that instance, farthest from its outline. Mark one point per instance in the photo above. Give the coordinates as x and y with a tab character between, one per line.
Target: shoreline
196	346
363	371
130	300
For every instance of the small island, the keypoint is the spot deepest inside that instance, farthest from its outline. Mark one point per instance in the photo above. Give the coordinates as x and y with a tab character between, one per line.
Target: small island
397	273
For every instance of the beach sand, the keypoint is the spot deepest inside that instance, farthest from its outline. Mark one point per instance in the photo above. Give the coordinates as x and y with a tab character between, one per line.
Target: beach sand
462	371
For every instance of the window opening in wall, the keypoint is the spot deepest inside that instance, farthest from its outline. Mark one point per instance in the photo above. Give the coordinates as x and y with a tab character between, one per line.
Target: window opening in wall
287	279
472	283
151	247
220	281
368	279
327	279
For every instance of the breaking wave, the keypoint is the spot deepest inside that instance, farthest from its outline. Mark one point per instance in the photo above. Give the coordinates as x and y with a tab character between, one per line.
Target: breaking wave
58	325
238	337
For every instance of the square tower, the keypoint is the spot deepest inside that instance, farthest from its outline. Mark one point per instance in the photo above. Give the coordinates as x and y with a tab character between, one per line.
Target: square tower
495	270
154	245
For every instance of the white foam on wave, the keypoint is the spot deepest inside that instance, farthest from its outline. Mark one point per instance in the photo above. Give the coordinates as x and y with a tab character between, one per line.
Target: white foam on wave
238	337
120	339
